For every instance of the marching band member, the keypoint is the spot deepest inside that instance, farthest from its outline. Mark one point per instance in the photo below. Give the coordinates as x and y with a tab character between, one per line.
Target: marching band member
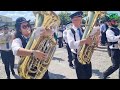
6	53
23	33
60	37
107	21
70	59
74	37
1	29
113	37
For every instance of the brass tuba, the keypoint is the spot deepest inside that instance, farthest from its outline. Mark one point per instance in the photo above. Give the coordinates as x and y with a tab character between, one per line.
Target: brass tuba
29	67
85	52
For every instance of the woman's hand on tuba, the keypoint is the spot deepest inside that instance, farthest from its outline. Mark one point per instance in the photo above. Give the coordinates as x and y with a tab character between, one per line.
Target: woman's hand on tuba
46	32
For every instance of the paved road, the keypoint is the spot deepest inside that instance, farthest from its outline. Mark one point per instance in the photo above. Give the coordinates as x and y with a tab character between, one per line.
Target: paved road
59	68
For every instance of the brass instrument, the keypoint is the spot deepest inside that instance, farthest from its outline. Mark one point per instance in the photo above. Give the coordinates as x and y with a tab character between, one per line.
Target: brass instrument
30	67
85	52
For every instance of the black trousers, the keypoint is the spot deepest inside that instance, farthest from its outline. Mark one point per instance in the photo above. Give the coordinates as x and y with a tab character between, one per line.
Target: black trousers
8	61
82	71
60	42
115	58
46	76
69	53
103	38
109	50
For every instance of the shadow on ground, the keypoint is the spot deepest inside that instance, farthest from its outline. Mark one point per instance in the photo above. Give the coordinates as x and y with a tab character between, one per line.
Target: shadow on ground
15	66
51	75
56	58
17	77
102	50
56	76
98	73
102	47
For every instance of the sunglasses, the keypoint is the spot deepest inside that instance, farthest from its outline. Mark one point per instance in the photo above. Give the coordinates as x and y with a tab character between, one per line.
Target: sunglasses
5	28
25	26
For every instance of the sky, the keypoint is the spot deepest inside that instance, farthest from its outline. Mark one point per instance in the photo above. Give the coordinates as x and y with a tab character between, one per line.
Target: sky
15	14
29	14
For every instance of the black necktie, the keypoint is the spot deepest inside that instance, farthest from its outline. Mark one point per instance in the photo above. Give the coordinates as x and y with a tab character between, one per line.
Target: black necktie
7	45
27	39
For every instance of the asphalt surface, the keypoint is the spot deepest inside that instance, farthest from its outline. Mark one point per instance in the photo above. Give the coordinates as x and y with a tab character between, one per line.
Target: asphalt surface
59	66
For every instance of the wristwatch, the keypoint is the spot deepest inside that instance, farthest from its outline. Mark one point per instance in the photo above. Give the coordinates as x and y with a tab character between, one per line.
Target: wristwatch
32	54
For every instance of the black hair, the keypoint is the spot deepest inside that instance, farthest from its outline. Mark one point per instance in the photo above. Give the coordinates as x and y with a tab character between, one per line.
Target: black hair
18	33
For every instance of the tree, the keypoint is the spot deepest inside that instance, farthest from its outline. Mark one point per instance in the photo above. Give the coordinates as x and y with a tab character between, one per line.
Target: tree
64	17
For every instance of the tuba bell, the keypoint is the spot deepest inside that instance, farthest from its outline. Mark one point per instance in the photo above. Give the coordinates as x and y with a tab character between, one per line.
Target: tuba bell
29	67
85	51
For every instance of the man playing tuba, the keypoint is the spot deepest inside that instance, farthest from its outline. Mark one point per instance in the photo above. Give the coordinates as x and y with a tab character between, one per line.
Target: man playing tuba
74	36
74	40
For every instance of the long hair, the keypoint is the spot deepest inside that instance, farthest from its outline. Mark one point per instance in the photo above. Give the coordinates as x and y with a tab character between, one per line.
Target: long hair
18	33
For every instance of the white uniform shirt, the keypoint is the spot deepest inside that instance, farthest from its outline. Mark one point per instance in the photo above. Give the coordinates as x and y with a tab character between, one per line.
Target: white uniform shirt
60	34
5	38
65	35
71	41
103	27
112	38
17	43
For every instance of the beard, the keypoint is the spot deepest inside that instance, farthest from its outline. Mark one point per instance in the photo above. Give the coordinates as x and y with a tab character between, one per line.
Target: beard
115	25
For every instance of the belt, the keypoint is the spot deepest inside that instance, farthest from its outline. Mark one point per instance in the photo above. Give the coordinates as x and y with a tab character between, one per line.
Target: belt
115	46
6	50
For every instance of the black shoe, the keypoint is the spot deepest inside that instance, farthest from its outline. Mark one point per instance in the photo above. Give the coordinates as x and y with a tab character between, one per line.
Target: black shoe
8	77
104	76
71	65
13	72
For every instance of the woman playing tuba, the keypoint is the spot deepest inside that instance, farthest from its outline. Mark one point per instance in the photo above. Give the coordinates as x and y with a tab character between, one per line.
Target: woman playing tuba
37	48
23	33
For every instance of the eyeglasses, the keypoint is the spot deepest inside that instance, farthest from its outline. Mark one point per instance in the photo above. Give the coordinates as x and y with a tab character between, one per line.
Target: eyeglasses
25	26
5	28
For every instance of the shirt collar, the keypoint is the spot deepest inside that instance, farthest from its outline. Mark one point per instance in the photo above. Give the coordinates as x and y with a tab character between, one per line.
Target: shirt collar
75	28
25	37
111	27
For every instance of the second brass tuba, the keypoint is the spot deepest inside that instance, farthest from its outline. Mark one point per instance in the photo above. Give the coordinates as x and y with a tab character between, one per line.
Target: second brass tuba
29	67
85	52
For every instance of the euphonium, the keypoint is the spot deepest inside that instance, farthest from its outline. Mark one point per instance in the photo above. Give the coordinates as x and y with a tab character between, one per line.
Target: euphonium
29	67
85	52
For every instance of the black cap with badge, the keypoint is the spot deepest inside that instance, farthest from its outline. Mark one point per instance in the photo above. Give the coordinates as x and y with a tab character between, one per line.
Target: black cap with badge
76	14
21	20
